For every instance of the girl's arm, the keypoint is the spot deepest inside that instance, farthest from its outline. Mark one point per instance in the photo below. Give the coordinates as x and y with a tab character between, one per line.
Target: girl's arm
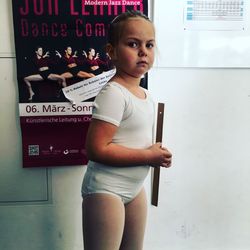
101	149
58	54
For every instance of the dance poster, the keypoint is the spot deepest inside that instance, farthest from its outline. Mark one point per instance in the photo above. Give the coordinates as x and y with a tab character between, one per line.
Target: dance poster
60	50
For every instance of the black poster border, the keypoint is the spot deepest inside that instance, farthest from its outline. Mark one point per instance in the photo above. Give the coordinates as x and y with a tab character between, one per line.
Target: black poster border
51	137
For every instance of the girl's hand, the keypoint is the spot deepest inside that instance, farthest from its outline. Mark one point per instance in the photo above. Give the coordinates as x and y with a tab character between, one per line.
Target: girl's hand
84	53
46	54
108	56
159	156
58	54
97	56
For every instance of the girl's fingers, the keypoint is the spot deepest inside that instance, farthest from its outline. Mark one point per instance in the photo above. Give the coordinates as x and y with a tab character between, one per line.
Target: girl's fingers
167	165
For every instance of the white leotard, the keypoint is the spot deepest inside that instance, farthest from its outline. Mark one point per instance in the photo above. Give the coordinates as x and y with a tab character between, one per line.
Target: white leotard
134	118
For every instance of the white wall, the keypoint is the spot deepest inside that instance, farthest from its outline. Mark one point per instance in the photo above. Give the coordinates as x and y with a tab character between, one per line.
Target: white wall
204	198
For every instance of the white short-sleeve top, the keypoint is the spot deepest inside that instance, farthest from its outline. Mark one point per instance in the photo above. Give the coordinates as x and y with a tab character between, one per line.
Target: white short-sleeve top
134	118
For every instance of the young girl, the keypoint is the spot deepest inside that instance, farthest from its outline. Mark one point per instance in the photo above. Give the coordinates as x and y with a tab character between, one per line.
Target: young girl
41	61
71	64
119	142
93	63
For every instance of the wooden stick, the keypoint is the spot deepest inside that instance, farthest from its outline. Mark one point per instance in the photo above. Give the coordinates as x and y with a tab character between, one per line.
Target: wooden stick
156	170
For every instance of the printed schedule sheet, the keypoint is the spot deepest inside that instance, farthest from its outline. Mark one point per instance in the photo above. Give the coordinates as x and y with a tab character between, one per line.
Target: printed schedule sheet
214	14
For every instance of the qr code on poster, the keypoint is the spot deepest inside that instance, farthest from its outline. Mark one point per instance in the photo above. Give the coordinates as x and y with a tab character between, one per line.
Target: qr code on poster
33	149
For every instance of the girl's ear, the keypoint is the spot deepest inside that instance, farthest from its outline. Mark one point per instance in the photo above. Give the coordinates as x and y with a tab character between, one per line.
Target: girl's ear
111	51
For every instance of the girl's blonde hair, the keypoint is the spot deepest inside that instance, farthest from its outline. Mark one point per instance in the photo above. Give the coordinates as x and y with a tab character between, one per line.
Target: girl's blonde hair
116	26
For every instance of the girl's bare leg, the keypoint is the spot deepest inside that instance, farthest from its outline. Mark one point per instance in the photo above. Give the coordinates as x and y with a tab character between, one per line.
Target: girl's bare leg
27	81
60	79
135	223
103	222
83	74
67	75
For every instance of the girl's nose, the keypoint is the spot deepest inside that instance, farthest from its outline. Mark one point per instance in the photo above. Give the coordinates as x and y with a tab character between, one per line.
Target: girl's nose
142	51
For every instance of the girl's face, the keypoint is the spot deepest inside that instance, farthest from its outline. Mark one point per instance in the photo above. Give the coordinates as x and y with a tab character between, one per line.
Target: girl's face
134	54
68	51
39	51
92	52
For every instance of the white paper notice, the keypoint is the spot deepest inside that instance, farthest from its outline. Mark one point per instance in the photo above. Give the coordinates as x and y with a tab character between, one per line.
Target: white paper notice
87	89
214	14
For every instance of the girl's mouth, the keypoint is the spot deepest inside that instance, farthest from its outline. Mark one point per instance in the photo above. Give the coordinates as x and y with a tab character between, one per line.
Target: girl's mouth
142	63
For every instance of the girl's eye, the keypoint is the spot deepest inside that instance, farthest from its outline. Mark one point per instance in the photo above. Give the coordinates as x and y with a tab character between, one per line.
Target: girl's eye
150	45
132	44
